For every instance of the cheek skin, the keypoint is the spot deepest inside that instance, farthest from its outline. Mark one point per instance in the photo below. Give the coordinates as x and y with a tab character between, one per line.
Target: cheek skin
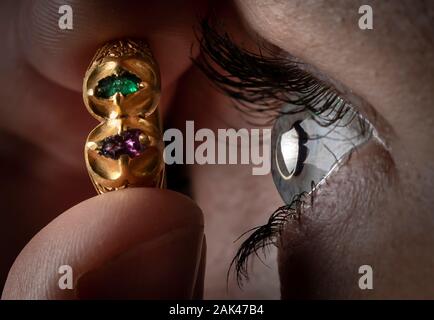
356	220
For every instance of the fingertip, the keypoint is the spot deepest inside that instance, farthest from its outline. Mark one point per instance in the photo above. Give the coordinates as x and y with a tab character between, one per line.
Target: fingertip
96	231
63	55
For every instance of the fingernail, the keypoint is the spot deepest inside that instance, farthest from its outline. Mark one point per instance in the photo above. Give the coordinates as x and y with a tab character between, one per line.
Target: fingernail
163	268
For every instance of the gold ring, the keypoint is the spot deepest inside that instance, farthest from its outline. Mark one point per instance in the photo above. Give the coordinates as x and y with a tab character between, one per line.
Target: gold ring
121	89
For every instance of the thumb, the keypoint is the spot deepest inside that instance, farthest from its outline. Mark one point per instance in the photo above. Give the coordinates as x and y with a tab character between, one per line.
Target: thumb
134	243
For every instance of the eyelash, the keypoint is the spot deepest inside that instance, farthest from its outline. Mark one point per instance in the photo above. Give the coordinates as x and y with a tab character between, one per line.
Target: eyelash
260	84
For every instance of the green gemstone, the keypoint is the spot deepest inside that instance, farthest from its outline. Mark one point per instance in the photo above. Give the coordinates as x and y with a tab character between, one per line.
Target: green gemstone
125	83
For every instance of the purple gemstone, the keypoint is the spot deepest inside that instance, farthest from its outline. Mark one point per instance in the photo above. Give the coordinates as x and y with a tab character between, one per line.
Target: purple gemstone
127	142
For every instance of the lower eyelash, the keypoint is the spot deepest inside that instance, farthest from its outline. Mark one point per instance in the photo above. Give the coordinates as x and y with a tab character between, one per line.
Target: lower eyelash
267	234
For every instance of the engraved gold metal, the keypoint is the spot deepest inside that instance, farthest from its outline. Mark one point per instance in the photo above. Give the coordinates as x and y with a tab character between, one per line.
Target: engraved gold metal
119	113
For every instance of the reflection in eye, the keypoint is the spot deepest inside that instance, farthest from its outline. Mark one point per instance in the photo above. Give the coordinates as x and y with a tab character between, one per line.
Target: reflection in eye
291	151
305	152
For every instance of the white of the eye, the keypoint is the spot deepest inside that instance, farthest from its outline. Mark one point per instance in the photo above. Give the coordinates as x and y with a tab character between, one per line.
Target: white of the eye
289	148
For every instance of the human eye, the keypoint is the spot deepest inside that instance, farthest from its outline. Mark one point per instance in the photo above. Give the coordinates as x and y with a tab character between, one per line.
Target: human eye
315	127
307	146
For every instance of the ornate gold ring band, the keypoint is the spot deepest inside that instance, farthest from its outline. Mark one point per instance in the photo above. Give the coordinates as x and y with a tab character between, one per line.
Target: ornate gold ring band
121	89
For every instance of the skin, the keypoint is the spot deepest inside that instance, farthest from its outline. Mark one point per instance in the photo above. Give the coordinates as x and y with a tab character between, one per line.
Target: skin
387	214
385	218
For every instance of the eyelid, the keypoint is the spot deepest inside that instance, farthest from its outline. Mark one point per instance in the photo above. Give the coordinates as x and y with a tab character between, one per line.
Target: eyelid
383	132
380	130
219	49
262	81
364	108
